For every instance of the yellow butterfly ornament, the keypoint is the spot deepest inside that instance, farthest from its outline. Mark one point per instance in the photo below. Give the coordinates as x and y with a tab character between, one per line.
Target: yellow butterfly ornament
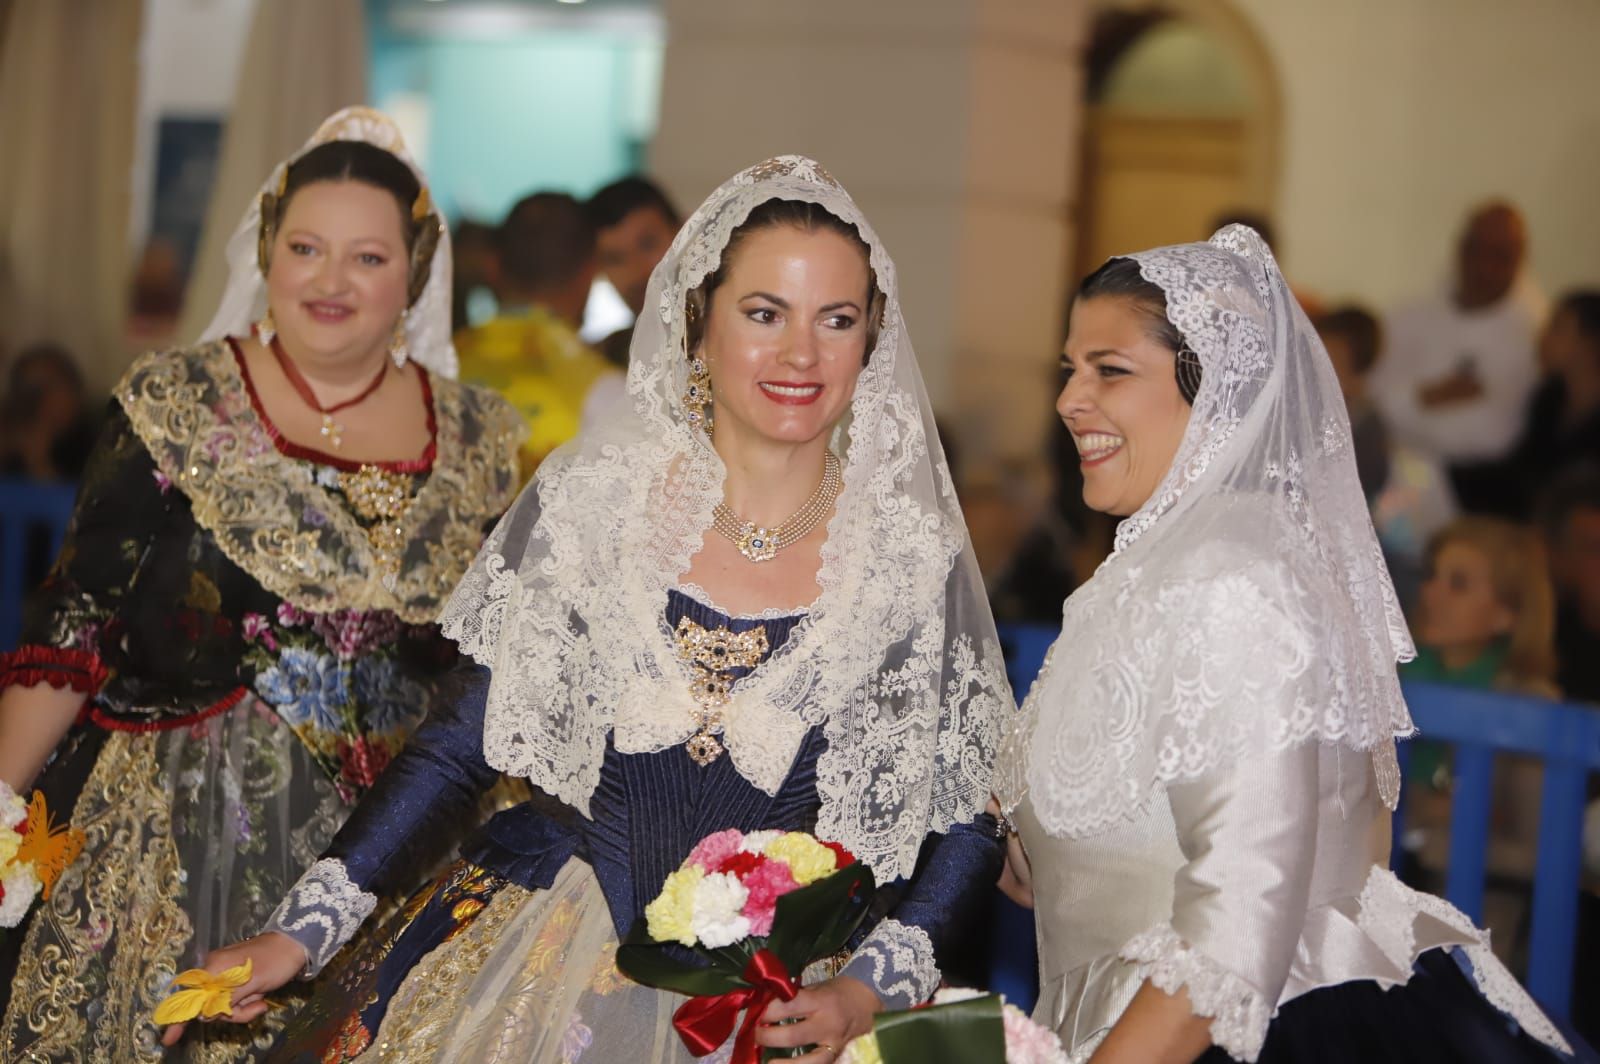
205	994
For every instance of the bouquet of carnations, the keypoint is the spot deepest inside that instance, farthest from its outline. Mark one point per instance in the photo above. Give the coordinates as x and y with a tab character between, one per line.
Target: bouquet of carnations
959	1027
754	910
33	854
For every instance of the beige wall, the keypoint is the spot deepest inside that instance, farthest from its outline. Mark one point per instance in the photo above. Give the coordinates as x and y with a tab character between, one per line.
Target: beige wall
954	125
1401	114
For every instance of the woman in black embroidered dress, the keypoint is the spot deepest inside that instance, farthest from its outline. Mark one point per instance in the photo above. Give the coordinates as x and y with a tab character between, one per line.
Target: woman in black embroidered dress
239	633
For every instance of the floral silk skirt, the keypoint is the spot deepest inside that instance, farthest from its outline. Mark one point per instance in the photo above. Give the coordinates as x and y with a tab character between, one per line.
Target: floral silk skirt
477	968
193	835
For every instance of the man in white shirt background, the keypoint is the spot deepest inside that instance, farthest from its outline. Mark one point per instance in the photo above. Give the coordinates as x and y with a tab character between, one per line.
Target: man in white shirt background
1460	365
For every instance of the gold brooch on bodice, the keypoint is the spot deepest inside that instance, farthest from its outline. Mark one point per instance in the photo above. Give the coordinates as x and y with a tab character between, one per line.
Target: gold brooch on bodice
711	655
381	497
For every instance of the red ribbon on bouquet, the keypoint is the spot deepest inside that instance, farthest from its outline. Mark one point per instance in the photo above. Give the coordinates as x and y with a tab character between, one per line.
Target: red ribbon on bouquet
704	1023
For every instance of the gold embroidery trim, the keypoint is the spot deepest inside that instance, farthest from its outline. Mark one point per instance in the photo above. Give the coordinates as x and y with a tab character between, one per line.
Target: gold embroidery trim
190	409
113	930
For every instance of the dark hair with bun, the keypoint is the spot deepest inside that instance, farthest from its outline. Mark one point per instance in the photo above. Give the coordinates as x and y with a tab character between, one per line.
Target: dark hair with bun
356	160
1120	278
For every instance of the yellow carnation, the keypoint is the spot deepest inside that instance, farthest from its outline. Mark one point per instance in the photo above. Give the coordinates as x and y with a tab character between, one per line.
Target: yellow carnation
808	859
670	916
10	841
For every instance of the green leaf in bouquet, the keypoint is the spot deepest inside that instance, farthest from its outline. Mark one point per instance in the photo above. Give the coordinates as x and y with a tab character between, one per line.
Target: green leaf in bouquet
961	1032
647	961
818	919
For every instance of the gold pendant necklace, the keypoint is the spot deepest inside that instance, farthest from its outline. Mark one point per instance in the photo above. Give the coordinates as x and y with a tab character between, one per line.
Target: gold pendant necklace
712	654
761	544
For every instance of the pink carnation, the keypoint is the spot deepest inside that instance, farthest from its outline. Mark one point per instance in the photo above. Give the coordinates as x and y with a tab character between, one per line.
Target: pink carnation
715	849
768	882
290	616
1029	1043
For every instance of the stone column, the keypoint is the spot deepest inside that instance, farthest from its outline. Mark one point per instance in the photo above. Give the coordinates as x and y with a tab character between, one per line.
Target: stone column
955	125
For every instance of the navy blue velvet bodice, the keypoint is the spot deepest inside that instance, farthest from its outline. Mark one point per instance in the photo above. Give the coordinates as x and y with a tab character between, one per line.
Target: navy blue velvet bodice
646	814
650	809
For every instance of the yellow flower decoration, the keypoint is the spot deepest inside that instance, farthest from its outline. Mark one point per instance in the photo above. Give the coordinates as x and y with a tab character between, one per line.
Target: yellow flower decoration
669	917
9	842
207	995
808	859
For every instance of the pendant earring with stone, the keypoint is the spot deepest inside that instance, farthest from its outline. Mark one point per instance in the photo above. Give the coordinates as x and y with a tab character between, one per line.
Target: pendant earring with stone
398	348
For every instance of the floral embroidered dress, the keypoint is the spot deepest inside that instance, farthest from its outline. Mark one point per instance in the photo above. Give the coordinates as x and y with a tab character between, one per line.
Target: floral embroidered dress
252	626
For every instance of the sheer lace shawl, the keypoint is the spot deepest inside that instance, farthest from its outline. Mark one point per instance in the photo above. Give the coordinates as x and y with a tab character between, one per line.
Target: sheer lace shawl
897	659
244	301
1246	606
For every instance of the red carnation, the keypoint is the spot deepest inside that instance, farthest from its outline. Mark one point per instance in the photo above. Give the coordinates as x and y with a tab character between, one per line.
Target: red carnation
843	857
740	864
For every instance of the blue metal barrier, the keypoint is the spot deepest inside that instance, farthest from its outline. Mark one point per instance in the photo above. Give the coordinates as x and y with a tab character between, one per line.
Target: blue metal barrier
26	507
1478	724
1566	738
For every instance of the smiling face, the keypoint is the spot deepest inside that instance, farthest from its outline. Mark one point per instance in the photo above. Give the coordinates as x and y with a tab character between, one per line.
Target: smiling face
337	281
786	336
1120	402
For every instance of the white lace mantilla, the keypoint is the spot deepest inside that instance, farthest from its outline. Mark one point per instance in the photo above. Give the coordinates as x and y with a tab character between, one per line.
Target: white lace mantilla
896	659
1246	606
322	911
1239	1015
897	961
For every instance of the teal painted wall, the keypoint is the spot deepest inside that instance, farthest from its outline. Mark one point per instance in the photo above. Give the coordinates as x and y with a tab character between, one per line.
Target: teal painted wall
521	111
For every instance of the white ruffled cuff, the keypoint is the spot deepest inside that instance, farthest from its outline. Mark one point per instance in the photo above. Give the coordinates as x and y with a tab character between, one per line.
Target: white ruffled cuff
322	911
1239	1014
897	961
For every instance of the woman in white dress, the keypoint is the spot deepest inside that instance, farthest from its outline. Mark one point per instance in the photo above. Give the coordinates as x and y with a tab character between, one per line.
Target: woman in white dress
1203	774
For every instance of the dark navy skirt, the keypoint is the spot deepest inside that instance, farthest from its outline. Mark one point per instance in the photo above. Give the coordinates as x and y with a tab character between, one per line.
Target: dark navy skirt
1439	1017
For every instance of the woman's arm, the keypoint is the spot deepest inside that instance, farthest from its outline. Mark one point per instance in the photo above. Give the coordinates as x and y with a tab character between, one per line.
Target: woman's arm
1156	1028
58	667
416	810
33	720
1215	971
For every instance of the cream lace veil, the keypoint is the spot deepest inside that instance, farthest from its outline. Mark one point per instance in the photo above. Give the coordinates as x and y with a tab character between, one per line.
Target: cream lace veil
1246	606
244	301
896	660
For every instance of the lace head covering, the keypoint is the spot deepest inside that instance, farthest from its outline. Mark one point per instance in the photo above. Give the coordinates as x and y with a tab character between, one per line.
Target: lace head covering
244	301
1246	606
896	660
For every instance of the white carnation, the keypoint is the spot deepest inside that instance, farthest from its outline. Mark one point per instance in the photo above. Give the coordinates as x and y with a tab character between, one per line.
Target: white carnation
13	810
20	885
717	919
758	841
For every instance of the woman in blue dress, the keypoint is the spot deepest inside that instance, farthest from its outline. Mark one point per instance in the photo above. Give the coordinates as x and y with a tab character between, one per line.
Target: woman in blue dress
747	603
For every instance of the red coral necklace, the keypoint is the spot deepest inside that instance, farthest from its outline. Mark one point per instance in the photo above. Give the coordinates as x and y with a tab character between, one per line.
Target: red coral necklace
331	429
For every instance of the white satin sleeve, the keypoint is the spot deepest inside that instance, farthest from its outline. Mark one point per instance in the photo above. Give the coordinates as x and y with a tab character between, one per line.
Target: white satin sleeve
1249	836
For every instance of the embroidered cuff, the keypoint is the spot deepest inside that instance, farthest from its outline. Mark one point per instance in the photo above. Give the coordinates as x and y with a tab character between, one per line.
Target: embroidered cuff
322	912
1239	1015
59	667
897	961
